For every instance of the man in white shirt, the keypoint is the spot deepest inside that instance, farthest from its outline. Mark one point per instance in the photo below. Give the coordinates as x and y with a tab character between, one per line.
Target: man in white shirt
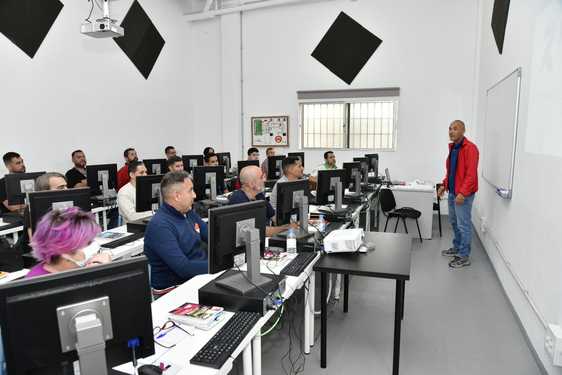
329	163
126	197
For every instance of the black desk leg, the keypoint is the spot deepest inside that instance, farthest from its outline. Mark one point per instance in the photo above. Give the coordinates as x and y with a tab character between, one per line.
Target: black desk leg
398	312
323	318
403	298
345	292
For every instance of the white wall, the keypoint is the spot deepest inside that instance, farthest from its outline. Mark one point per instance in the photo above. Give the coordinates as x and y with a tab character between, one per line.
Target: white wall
428	51
527	228
80	92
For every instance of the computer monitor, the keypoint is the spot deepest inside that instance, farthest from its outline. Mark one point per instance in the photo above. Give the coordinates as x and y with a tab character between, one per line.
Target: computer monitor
373	163
364	167
191	161
156	166
225	160
234	230
289	196
329	182
147	192
245	163
299	155
275	167
89	314
352	170
41	202
208	182
18	185
102	179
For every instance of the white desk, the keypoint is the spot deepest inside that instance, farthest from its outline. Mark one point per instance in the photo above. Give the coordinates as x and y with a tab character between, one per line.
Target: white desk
187	346
421	198
124	251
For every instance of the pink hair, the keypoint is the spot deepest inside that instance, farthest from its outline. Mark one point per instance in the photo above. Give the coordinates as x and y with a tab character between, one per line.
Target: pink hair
63	232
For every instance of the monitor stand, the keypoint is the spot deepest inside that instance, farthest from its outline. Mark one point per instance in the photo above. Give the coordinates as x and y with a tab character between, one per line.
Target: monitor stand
244	282
338	207
356	186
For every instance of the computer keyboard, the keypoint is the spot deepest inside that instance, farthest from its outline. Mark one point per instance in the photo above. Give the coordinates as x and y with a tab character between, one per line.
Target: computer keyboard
298	264
123	241
217	350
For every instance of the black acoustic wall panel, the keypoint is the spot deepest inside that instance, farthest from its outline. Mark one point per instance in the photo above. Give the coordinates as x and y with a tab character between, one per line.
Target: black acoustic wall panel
142	42
27	22
499	22
346	47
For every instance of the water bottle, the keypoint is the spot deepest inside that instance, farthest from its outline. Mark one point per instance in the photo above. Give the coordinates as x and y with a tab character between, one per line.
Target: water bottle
321	224
291	241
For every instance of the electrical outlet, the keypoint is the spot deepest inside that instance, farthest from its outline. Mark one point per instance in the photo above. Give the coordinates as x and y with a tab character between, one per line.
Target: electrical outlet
553	343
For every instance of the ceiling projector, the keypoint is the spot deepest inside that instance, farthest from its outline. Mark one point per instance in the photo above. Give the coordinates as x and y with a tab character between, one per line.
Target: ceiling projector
103	27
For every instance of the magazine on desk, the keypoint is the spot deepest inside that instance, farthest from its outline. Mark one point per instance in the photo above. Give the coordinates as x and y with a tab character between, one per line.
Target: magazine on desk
198	316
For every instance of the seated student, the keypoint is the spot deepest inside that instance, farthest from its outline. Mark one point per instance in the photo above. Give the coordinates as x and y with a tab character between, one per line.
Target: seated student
253	153
173	237
292	171
270	151
76	177
170	151
253	184
14	164
329	163
126	197
208	150
130	155
175	164
60	239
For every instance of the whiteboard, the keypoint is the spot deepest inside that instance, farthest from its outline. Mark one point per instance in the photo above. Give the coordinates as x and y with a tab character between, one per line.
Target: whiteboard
500	133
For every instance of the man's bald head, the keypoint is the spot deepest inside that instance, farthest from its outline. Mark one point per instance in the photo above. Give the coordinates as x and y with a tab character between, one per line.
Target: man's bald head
456	131
251	179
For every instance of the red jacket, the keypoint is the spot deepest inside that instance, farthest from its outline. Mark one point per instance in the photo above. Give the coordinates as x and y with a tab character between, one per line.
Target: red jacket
466	179
123	176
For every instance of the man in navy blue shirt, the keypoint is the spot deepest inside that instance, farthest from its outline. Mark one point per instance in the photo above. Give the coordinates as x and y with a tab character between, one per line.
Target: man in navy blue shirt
174	236
252	180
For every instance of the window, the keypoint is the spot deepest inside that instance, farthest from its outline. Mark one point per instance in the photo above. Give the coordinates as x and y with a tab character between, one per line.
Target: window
351	123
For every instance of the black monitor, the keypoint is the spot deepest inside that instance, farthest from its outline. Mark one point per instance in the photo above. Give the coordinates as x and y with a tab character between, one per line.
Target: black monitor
325	191
41	202
299	155
191	161
364	166
245	163
351	169
225	160
373	163
102	178
156	166
275	167
288	195
235	230
108	304
203	178
18	185
147	192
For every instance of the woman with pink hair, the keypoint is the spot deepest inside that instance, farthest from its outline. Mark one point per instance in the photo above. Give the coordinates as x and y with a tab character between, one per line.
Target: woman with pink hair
59	240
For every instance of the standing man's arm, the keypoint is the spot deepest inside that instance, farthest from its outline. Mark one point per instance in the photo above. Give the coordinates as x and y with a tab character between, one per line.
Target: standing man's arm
471	174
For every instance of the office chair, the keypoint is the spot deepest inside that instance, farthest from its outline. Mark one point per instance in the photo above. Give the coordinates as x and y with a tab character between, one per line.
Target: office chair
388	207
437	207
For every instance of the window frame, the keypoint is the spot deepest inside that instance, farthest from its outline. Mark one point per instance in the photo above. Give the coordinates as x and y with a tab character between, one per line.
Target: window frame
347	124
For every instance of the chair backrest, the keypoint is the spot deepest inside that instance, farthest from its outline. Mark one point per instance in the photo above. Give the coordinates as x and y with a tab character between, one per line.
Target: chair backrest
388	203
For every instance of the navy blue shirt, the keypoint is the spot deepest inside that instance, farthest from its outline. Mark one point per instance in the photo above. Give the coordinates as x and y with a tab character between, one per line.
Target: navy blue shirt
240	197
453	166
172	244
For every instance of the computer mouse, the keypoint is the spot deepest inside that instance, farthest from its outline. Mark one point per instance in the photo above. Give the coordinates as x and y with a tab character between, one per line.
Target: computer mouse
149	370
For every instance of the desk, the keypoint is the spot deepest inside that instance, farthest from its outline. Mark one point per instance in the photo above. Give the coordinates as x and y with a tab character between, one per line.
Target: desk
421	198
391	259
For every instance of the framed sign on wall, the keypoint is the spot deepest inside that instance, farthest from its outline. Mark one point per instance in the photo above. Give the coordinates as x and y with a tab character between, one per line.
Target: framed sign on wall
270	131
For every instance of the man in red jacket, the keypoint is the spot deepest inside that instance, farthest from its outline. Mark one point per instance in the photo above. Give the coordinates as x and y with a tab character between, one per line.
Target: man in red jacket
123	178
462	183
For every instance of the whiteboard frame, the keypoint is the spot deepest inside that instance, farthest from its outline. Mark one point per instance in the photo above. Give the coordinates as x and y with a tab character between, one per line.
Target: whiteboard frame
506	192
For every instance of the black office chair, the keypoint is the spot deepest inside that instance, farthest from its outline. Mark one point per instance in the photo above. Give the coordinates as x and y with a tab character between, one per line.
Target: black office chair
437	207
388	207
